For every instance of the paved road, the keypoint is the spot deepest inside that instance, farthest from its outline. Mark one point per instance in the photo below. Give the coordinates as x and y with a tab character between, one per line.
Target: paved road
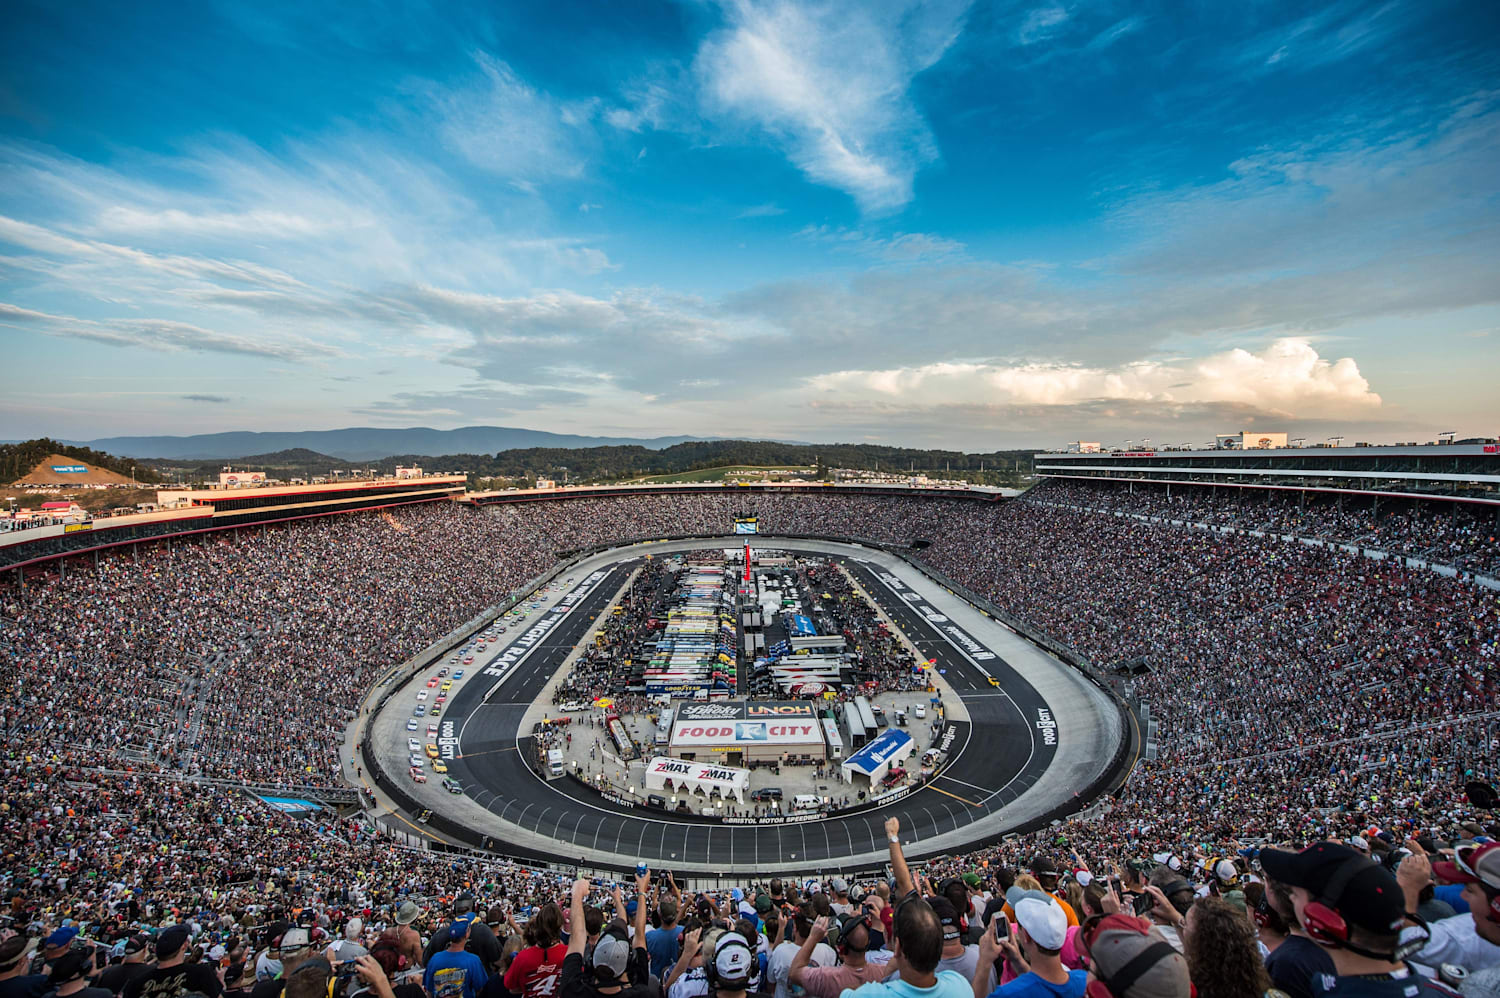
998	755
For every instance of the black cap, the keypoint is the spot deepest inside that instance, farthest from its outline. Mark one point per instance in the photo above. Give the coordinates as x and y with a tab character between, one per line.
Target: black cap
1042	866
73	963
136	943
170	940
947	914
463	903
1365	893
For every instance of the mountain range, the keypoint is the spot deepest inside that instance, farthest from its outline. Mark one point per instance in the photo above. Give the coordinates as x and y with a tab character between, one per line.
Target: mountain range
361	443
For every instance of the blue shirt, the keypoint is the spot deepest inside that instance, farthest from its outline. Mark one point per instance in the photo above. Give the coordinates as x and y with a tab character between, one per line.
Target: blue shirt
662	944
454	975
1032	986
949	985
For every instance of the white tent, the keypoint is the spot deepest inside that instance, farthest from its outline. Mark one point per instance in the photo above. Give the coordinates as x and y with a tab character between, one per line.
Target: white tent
697	777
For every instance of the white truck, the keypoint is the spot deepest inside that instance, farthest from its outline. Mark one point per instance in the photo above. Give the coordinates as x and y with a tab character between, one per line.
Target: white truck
554	763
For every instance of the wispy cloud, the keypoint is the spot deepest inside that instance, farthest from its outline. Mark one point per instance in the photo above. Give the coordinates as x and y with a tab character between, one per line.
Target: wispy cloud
219	399
766	210
1041	23
830	83
161	334
900	247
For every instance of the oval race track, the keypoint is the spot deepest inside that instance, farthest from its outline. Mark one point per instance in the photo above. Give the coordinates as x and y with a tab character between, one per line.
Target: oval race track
1043	736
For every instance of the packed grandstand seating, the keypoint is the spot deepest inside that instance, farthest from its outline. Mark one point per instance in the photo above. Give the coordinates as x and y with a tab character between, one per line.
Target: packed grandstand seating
1303	692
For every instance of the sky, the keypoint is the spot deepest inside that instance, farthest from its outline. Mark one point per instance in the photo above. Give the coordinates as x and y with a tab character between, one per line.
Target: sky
970	225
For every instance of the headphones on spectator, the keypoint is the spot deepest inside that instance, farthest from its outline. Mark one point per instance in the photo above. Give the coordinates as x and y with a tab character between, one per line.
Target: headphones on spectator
729	940
1324	925
610	931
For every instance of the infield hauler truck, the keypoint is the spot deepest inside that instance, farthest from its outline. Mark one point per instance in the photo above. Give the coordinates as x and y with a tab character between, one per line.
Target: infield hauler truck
554	763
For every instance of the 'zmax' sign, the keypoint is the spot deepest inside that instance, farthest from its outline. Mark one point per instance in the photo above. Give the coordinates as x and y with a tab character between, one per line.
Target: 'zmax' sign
70	469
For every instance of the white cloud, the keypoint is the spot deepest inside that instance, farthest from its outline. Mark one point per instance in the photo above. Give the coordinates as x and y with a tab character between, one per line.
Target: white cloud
509	128
162	335
830	82
901	247
1288	377
1041	23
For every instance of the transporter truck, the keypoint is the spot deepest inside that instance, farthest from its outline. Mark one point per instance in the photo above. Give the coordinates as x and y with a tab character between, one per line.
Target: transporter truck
554	763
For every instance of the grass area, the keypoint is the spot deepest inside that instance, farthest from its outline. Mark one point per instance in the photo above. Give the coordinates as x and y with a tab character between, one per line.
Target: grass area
719	474
93	500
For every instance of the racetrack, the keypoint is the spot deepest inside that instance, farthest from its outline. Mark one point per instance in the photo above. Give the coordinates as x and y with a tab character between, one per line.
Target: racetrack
1005	767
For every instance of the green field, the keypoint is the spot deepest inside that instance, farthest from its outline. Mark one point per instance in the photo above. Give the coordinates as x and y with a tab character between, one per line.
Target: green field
718	474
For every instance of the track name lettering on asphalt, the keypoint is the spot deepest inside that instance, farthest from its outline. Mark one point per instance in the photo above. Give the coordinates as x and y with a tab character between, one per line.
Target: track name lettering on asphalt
1047	725
977	651
537	631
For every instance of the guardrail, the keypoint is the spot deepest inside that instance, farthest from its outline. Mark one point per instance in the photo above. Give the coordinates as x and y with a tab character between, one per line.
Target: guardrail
1112	776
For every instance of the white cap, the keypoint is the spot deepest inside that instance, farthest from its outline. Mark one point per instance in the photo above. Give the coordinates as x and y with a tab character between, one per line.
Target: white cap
1043	921
1084	878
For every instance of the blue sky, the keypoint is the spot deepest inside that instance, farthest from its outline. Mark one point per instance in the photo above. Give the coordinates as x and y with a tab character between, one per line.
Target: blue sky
975	225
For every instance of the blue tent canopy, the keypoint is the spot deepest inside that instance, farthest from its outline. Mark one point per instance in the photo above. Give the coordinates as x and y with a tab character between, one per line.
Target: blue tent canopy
876	758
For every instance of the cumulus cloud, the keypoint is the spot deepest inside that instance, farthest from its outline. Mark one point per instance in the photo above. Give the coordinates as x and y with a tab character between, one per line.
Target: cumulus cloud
831	83
1288	378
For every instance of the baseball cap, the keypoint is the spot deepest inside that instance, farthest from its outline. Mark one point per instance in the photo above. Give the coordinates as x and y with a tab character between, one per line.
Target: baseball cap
847	923
763	903
1115	942
1042	866
1225	871
292	939
947	914
1043	921
1368	897
732	958
407	913
463	903
611	953
1359	842
61	937
1084	878
137	943
1478	864
972	879
173	939
839	885
70	965
14	949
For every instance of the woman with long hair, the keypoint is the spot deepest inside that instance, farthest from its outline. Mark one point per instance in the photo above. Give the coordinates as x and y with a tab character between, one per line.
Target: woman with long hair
534	971
1222	952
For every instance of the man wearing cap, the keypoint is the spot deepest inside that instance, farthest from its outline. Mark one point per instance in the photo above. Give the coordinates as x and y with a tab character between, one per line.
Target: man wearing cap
839	888
1355	909
1045	872
172	977
1037	944
482	941
293	948
454	972
733	965
1131	959
136	963
663	943
958	956
1471	940
70	976
851	944
15	960
58	942
617	967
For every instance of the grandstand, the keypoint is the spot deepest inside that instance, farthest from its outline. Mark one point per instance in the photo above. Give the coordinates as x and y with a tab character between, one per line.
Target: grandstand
183	671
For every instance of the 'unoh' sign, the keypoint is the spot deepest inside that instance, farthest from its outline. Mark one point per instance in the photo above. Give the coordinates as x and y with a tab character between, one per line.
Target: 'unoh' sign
71	469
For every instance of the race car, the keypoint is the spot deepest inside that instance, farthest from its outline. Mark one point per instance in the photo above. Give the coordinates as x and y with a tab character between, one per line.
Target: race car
411	724
416	761
452	786
447	685
994	682
437	709
421	694
458	675
417	776
439	766
468	660
419	710
432	751
413	745
431	729
432	682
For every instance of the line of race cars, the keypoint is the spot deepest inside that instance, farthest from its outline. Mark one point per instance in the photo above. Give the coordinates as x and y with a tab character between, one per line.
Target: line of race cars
430	705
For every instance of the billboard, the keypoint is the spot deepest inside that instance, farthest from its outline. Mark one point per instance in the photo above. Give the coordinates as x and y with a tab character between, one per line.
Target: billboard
71	469
746	724
746	525
242	477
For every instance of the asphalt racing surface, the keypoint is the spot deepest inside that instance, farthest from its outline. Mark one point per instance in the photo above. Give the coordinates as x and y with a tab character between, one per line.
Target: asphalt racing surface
1006	746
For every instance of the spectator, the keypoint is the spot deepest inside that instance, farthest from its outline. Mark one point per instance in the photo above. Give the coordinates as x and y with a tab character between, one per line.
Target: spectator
853	941
1129	958
1222	952
454	972
1035	949
534	971
1354	908
137	952
173	976
15	960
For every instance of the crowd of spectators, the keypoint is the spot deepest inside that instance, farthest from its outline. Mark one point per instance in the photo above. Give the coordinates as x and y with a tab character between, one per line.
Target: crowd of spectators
1302	693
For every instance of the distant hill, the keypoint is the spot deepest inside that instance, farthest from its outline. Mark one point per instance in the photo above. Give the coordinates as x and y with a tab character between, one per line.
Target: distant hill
34	460
362	443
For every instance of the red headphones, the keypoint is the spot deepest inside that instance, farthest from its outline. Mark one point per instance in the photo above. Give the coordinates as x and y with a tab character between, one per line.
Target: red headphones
1320	918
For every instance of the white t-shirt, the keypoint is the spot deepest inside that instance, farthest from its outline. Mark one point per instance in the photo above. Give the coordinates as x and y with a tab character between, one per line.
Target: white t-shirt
779	966
1454	940
692	983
